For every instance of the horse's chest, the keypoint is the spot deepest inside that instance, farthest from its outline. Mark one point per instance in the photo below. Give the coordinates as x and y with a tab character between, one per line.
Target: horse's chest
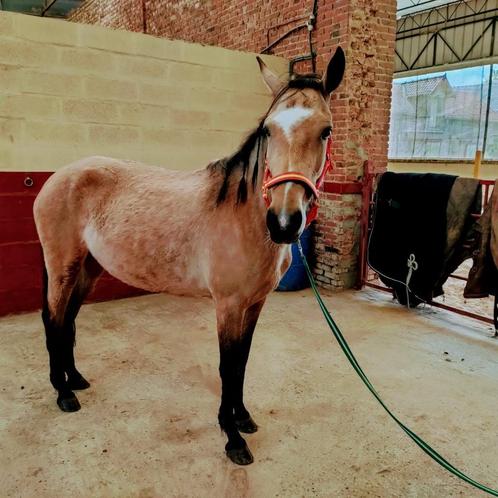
285	261
251	274
272	270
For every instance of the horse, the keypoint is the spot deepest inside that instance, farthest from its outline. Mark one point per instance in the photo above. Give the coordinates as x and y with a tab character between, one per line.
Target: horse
224	231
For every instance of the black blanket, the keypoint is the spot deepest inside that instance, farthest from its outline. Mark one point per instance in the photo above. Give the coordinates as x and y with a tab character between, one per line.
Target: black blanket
410	223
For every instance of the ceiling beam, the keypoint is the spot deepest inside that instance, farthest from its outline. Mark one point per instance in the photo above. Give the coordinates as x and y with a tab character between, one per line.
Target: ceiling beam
47	8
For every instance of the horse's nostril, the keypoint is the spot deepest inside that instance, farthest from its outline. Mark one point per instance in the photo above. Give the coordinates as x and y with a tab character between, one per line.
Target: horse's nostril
295	221
272	221
283	227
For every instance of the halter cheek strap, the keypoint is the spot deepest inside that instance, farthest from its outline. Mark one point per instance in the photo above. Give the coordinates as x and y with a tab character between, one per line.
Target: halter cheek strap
270	182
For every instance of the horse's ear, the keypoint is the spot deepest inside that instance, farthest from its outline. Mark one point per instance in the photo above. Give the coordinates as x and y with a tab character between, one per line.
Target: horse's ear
272	81
335	71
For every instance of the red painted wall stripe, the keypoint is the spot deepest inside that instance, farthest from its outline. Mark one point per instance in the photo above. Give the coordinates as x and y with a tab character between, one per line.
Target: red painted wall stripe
342	187
13	182
20	252
19	229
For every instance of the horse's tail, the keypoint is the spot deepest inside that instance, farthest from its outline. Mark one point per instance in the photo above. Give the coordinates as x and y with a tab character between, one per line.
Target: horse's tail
45	313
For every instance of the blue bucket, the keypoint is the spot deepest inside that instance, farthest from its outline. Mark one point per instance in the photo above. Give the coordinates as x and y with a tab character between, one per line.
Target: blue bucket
295	278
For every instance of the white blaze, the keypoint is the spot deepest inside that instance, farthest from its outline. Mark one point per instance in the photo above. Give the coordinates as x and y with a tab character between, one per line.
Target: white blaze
289	118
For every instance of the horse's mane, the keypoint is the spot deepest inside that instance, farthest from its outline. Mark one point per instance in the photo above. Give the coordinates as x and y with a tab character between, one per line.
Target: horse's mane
240	159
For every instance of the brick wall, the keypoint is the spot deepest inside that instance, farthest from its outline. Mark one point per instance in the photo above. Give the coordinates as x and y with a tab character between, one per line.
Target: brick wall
240	24
124	14
361	113
366	31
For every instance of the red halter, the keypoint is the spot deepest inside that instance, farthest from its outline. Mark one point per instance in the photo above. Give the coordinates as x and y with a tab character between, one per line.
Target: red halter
270	182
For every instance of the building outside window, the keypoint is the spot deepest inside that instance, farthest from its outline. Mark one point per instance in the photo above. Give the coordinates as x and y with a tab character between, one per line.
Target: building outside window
446	115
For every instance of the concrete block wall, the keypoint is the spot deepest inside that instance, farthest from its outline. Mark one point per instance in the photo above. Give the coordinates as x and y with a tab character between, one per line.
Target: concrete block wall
361	108
70	90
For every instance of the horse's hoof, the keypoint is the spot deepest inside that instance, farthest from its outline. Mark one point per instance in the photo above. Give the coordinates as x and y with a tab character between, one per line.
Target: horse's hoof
240	456
68	403
78	383
247	425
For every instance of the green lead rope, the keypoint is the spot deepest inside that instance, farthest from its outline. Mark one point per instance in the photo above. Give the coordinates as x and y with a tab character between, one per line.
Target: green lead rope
350	356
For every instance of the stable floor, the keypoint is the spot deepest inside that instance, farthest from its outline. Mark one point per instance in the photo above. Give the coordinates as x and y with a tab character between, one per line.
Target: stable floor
148	425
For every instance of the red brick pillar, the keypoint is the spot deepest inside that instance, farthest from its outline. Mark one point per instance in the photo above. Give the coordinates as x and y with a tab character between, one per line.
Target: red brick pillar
360	108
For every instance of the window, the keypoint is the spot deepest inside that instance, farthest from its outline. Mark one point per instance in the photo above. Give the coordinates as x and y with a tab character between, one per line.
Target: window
445	115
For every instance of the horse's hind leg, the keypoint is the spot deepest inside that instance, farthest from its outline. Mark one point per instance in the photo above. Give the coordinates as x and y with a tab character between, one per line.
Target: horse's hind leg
59	281
243	419
64	291
87	277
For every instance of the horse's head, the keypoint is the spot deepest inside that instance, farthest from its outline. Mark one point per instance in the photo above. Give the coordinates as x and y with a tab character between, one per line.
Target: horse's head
297	126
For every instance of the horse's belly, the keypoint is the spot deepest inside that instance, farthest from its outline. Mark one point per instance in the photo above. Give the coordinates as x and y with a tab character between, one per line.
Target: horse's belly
148	265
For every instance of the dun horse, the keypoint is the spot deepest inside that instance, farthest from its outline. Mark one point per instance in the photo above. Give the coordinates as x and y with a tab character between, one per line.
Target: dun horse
210	232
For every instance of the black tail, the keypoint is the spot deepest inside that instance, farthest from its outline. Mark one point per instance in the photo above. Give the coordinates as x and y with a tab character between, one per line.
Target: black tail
45	311
44	287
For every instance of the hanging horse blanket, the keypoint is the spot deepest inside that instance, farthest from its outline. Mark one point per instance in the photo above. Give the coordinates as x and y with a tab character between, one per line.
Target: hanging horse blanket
419	220
465	200
483	276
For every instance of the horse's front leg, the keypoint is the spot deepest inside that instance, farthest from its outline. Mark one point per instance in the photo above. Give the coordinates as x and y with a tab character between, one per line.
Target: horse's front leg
243	419
230	319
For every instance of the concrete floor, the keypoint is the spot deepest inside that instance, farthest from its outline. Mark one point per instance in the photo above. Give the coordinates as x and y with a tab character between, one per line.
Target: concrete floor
147	427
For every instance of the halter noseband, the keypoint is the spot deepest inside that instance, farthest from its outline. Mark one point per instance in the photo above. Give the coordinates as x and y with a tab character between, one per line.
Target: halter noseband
270	182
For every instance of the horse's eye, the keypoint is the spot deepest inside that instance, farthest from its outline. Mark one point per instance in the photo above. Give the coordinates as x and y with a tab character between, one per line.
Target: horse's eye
326	133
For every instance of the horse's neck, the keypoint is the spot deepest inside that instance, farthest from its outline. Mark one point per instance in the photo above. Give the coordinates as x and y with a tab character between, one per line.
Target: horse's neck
248	219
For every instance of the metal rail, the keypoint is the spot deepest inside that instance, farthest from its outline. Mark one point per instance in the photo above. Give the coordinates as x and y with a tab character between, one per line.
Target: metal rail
453	309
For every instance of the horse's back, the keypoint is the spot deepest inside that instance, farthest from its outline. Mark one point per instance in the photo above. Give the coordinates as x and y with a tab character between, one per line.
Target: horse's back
91	181
107	174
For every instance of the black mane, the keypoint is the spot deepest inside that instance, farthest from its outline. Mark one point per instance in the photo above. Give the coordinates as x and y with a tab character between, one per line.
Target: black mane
311	80
240	160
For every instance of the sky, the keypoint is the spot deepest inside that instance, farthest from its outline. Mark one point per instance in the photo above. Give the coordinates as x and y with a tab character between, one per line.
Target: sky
457	77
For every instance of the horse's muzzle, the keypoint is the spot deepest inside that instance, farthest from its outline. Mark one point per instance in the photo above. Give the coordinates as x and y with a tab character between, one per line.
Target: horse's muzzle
284	228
